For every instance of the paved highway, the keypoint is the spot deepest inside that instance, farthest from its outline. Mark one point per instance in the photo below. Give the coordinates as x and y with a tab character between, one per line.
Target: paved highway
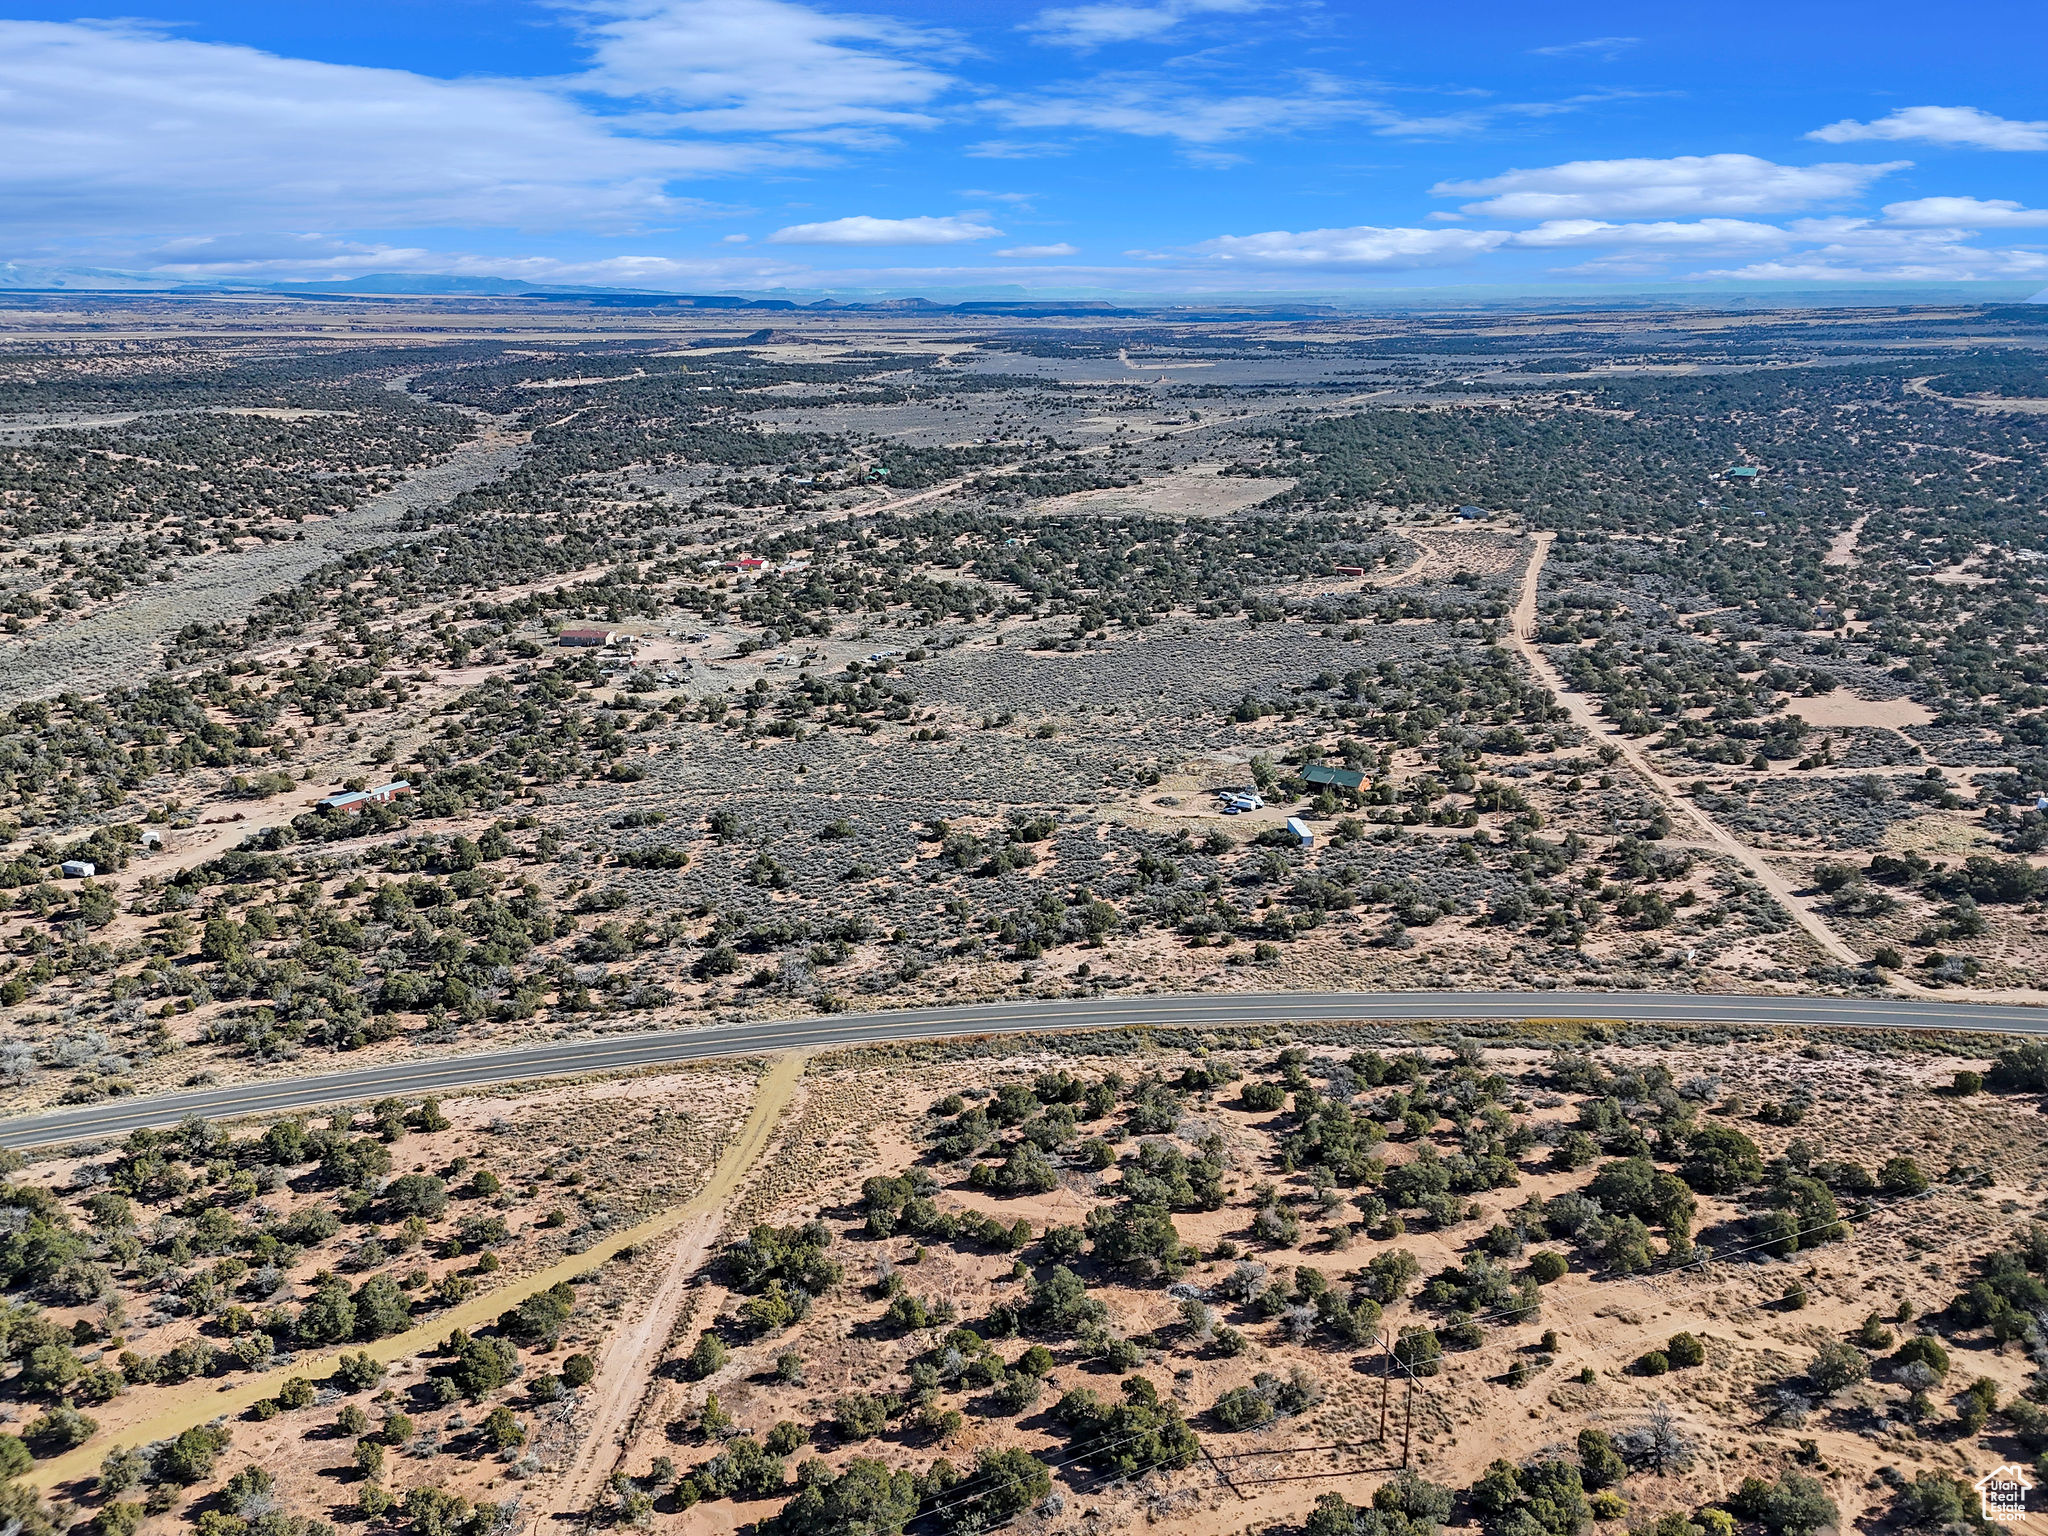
567	1058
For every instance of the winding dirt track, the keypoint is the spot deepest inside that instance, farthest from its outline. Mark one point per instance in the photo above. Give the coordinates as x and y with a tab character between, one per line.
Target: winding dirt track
622	1376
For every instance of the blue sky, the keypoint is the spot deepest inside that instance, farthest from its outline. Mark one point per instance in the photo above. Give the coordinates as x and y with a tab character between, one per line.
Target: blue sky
1154	146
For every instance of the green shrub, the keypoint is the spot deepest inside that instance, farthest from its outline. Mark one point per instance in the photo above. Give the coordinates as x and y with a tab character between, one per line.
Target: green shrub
1417	1349
1795	1505
859	1416
1926	1349
356	1373
1139	1434
1241	1408
706	1358
1901	1176
1836	1368
1263	1098
1600	1464
189	1458
58	1428
297	1392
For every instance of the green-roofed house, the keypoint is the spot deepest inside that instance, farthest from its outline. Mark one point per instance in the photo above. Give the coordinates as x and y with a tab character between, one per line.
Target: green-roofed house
1744	472
1340	778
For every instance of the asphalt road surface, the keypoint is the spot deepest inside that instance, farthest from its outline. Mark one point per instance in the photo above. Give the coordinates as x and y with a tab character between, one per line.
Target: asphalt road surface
568	1058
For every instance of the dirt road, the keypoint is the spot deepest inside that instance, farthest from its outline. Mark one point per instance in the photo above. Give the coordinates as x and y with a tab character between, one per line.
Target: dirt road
202	1401
1584	714
625	1370
1718	837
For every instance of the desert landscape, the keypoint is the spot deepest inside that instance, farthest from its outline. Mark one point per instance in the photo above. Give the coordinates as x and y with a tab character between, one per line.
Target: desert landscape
718	680
403	684
1575	1275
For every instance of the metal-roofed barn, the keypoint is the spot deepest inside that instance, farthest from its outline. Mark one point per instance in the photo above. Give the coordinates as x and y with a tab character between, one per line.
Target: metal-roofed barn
1336	778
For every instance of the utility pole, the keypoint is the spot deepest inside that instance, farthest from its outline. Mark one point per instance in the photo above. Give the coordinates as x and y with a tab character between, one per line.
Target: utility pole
1407	1419
1386	1365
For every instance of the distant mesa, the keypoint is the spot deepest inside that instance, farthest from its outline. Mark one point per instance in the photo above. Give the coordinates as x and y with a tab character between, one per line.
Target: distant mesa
24	278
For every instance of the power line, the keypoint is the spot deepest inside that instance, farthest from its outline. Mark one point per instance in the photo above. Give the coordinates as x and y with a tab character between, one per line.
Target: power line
1085	1450
1390	1358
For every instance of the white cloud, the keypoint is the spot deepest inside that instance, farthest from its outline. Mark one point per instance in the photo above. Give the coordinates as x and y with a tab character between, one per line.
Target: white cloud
1093	26
1683	185
1558	234
1856	249
316	256
1017	149
1965	213
1035	252
1639	263
277	255
1971	126
1596	47
116	129
861	229
1150	107
765	65
1363	247
1822	266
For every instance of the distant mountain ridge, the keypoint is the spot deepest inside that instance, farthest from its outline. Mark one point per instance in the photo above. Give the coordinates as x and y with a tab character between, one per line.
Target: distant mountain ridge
22	278
30	277
18	275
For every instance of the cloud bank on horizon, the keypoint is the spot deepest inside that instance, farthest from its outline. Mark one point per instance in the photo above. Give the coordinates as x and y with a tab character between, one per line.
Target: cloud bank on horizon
1154	145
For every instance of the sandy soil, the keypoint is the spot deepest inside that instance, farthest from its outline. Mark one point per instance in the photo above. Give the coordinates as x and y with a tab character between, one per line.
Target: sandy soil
1198	490
1842	548
1444	552
1843	708
1584	713
171	1410
626	1367
1469	1414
